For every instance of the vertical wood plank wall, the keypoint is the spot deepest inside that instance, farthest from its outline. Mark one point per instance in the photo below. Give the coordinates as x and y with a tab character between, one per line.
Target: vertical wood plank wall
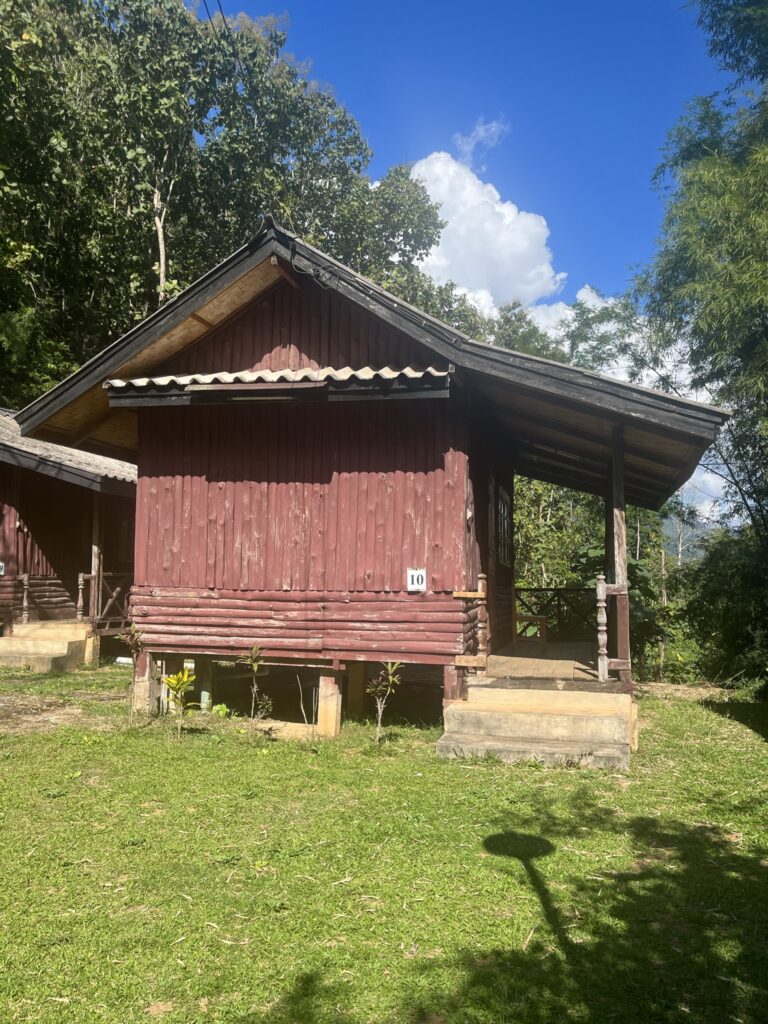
318	503
45	530
292	328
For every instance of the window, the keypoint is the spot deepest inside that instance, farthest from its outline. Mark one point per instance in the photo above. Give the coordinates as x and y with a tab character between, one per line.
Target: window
503	527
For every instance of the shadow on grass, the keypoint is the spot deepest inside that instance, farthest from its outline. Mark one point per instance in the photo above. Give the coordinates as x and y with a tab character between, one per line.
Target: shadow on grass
677	937
680	936
310	1000
753	714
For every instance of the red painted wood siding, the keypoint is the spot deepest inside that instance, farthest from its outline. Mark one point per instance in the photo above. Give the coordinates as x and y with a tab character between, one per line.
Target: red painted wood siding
45	530
420	628
313	497
292	525
291	328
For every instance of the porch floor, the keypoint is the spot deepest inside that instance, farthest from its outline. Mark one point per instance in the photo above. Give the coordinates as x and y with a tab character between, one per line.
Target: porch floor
570	662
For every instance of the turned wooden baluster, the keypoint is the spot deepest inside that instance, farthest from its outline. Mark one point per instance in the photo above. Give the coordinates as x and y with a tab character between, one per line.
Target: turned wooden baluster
80	590
482	615
25	599
602	631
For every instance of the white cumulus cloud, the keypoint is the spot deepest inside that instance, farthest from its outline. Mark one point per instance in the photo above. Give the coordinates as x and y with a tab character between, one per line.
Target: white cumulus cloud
489	246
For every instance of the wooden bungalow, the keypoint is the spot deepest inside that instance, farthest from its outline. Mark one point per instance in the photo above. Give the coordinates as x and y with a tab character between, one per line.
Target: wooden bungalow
66	549
328	472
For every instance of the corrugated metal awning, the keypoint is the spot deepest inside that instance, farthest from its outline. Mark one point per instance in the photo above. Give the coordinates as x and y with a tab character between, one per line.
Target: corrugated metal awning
365	375
308	383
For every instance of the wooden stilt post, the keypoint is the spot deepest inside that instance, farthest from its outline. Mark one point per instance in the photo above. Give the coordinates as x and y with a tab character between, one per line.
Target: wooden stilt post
356	679
146	685
452	684
329	707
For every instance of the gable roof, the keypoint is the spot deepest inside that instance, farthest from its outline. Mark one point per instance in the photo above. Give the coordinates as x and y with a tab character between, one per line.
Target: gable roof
575	408
96	472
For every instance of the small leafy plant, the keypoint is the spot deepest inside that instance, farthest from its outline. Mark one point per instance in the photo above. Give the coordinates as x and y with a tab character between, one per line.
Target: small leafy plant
381	688
221	710
178	685
261	705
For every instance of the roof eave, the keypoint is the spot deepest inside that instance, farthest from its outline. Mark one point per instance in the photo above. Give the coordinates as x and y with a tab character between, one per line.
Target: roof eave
100	482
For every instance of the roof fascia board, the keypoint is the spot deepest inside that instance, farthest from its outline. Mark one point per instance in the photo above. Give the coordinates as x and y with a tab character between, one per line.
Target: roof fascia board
631	403
139	337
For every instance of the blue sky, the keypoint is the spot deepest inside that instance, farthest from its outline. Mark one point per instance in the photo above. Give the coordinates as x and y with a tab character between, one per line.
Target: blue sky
586	92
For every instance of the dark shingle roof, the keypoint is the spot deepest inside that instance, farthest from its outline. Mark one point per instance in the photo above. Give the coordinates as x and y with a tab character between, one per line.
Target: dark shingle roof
71	464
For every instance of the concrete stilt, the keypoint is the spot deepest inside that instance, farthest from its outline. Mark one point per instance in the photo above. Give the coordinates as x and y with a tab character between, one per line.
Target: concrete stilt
146	685
204	681
329	707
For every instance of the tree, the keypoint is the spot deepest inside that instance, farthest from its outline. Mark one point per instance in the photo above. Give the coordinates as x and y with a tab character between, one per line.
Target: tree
140	145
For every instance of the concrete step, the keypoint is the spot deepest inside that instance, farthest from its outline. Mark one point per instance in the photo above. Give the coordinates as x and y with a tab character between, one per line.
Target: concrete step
548	752
42	655
52	629
565	702
496	721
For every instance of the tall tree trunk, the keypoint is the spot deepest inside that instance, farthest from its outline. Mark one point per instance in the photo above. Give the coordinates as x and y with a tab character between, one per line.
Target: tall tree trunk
162	265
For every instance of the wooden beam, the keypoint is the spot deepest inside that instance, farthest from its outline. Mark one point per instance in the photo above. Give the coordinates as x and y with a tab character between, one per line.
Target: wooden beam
285	273
617	510
201	320
561	428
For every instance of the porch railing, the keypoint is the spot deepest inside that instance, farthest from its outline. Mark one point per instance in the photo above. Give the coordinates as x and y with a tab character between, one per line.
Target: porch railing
554	613
108	596
613	597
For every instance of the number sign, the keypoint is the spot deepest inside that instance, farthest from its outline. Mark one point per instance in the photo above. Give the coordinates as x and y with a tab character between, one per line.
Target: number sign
417	581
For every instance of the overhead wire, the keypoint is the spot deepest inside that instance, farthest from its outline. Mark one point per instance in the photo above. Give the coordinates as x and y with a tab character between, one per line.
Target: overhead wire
235	49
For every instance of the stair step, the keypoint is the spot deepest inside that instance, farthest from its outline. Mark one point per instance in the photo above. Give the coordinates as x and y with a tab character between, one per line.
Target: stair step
42	655
542	751
564	702
52	629
10	645
498	722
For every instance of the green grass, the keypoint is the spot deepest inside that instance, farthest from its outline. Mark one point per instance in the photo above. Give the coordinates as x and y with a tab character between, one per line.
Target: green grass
228	880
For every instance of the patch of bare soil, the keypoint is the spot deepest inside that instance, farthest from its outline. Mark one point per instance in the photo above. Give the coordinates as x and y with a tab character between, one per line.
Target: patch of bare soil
27	713
680	692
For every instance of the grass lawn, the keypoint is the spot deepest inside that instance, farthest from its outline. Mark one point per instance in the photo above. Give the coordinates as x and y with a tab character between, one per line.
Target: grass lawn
232	880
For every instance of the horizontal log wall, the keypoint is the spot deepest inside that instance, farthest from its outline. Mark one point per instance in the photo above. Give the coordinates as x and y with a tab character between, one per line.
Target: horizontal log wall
420	628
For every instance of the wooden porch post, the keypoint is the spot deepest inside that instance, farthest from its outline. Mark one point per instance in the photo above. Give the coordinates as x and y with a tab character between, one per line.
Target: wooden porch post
96	558
616	552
